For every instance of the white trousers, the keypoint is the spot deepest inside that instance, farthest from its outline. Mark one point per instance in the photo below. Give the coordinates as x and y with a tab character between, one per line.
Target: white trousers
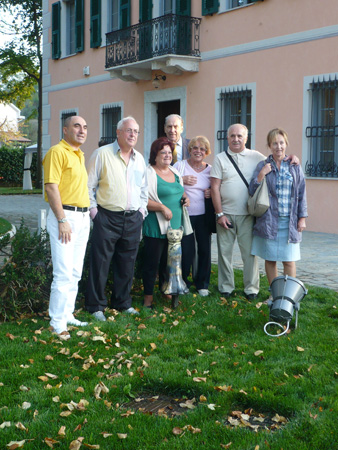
67	266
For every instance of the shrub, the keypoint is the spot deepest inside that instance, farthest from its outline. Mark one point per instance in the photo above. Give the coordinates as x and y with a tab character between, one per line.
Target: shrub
26	273
11	165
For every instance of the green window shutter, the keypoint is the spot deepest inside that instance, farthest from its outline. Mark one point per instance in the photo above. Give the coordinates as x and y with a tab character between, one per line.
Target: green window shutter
209	7
56	30
124	14
183	7
146	10
95	23
79	25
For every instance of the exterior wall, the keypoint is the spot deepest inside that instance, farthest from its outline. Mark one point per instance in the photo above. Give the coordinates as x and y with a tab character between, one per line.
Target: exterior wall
272	46
10	114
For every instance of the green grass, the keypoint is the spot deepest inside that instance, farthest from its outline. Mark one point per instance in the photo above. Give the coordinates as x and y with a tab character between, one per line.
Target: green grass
18	190
211	338
4	226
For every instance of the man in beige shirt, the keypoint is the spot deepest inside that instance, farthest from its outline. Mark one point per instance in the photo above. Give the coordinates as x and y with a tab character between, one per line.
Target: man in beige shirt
230	196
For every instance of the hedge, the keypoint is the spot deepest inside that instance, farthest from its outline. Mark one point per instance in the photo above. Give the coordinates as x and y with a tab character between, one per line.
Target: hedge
11	166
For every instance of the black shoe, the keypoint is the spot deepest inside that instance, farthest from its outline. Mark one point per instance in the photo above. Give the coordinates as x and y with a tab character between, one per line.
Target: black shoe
251	296
225	294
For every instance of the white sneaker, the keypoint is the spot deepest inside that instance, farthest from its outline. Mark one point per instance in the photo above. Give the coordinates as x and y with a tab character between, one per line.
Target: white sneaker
203	292
99	316
131	310
63	335
77	323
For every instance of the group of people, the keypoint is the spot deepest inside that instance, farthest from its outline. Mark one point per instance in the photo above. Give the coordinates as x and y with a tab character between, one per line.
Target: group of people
127	199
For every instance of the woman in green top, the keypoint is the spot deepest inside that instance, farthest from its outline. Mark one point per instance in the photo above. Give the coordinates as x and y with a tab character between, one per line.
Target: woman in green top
166	191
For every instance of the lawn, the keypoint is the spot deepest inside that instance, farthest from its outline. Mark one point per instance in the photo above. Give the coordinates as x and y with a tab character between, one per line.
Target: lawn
4	190
5	226
232	386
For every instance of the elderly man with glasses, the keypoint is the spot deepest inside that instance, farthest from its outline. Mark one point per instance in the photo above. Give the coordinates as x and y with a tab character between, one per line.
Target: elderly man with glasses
118	200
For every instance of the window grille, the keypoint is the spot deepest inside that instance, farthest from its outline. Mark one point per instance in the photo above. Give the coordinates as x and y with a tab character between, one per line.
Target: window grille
235	107
322	131
111	115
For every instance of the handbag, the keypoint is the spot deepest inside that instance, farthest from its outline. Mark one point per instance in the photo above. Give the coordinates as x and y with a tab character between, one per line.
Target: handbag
258	203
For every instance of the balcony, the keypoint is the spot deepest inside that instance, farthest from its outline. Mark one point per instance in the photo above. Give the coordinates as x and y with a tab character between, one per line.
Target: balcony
169	43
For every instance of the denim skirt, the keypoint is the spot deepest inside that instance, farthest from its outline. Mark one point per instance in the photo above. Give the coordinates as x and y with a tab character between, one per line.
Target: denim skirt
278	249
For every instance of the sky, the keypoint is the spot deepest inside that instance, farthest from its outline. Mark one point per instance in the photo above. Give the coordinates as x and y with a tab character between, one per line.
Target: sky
3	36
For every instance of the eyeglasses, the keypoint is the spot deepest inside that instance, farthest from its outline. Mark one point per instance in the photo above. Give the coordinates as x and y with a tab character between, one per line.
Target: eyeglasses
202	149
130	131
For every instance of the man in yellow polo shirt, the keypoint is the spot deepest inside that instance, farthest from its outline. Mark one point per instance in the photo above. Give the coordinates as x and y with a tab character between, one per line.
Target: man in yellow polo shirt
68	223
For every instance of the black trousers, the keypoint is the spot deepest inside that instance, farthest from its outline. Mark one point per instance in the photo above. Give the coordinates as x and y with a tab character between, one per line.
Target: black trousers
115	237
155	260
203	240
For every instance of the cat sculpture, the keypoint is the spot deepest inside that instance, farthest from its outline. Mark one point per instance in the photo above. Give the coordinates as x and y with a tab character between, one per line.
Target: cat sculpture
175	284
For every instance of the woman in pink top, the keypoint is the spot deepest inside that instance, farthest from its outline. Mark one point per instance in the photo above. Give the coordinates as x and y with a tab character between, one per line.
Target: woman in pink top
196	179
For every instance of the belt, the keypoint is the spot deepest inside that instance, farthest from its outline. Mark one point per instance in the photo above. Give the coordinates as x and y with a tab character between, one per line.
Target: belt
124	213
75	208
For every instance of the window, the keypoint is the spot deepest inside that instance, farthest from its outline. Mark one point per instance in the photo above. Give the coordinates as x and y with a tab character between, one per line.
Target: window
110	116
118	14
64	115
95	23
56	31
235	106
322	131
214	6
67	28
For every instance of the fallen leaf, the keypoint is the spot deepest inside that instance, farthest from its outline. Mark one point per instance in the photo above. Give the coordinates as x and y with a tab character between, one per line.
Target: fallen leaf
177	431
226	445
11	337
258	352
300	349
5	424
50	442
75	445
203	399
153	346
49	358
62	431
105	434
212	406
16	444
25	405
50	375
20	426
122	435
91	446
199	379
24	388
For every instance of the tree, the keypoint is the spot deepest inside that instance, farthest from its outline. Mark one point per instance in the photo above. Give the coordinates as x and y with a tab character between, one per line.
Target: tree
21	60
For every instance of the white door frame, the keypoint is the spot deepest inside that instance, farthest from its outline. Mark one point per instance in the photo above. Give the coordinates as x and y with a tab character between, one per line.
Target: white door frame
151	99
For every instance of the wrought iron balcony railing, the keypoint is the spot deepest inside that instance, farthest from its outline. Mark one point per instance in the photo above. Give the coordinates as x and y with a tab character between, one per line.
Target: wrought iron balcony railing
166	35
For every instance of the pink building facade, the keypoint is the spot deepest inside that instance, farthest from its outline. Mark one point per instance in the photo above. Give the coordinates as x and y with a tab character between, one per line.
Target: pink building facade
263	63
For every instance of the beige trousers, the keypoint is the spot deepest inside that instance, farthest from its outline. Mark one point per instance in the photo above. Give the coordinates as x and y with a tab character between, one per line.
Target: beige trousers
242	230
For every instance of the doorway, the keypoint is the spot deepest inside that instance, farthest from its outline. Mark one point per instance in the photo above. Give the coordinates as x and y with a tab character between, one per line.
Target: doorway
164	109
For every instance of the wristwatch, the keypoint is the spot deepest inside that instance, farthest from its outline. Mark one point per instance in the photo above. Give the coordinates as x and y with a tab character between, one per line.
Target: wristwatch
63	220
218	215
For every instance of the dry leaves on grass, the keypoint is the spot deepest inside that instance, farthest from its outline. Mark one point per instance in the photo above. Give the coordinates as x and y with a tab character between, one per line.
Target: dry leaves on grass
255	421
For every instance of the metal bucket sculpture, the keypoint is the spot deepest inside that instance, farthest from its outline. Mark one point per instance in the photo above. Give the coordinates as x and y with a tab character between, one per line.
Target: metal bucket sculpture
286	292
175	284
